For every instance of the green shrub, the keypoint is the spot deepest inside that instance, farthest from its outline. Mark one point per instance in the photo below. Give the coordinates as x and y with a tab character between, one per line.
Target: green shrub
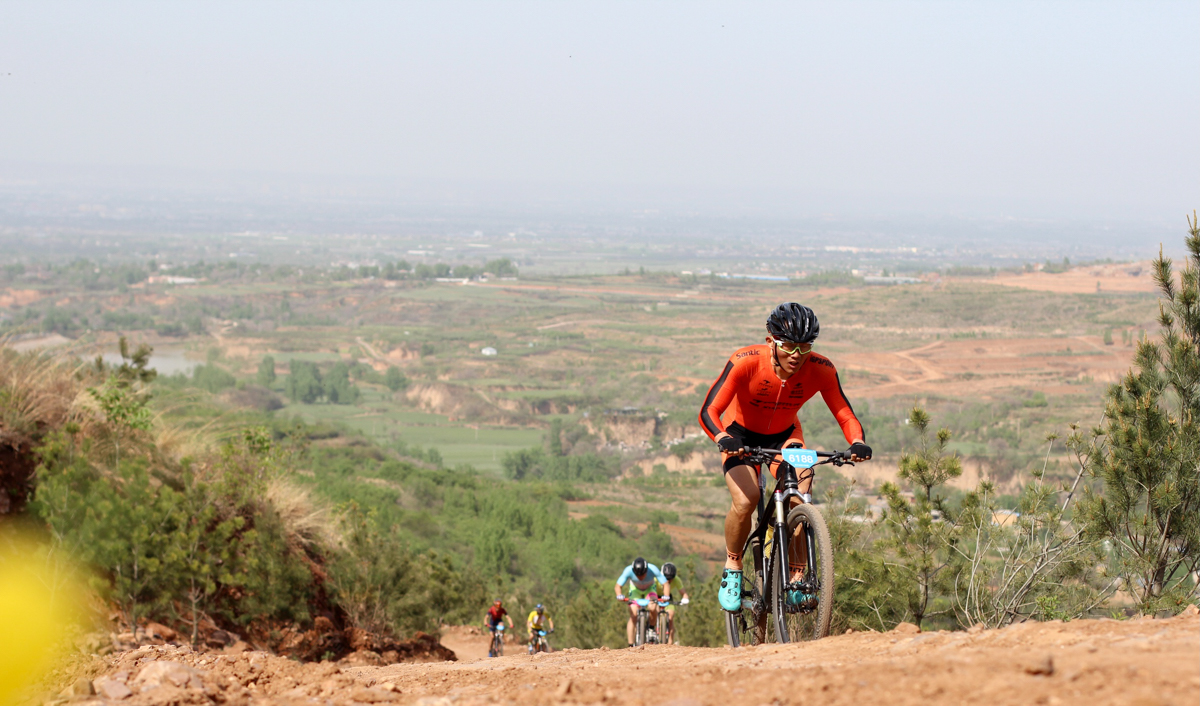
303	382
394	379
212	378
163	539
338	388
536	464
1037	399
266	372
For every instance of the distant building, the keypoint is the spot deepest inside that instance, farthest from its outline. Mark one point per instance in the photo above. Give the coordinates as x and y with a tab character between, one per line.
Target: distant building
870	279
488	351
171	279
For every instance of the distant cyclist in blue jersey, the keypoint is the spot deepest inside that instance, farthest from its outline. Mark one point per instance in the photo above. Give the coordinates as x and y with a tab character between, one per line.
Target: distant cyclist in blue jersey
641	577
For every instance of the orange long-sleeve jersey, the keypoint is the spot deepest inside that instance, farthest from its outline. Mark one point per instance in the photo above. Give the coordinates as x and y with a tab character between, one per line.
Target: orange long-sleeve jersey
765	404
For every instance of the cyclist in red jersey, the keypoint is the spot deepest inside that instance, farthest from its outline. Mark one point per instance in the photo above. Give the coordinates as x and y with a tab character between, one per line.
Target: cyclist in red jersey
495	614
765	386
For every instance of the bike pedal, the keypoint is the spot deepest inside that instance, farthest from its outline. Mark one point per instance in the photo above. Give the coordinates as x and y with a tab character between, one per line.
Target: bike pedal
747	604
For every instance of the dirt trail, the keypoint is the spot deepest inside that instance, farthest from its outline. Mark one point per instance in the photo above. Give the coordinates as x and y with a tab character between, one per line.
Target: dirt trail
1092	662
929	372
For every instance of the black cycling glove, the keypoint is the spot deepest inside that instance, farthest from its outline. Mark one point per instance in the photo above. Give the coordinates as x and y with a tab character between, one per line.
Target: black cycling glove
729	444
861	450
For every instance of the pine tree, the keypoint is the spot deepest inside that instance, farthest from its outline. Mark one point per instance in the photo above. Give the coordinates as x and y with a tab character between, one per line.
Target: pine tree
917	532
1147	450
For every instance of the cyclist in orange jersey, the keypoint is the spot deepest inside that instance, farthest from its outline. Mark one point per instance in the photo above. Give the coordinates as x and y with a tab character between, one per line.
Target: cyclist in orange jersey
765	386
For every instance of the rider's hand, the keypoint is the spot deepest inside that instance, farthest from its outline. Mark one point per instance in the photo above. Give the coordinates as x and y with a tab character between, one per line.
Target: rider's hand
860	451
728	444
620	596
683	601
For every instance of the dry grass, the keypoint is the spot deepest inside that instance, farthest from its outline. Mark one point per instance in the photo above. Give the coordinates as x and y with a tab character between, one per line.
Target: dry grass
307	522
42	393
39	393
174	440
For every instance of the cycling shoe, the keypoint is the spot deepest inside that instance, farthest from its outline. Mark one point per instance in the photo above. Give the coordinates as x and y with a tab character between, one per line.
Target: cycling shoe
730	593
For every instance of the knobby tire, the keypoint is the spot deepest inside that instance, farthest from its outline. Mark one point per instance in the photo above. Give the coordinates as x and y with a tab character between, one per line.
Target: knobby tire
809	624
662	629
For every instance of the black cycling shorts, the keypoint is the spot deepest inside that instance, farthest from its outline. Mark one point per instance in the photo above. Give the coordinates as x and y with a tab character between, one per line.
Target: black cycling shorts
753	438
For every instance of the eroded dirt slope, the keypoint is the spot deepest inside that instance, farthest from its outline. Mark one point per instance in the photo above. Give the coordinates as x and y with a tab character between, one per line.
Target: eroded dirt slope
1093	662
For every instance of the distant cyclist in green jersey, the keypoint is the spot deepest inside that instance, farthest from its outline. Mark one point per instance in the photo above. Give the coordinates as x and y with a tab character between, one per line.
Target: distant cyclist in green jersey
672	587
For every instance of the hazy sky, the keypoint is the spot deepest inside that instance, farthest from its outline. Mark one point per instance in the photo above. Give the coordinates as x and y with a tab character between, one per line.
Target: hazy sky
1069	109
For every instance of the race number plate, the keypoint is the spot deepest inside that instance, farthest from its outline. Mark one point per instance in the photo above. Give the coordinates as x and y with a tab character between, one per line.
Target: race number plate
800	458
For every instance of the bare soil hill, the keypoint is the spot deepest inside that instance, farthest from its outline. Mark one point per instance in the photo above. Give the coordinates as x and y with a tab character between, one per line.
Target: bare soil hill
971	368
1123	278
1093	662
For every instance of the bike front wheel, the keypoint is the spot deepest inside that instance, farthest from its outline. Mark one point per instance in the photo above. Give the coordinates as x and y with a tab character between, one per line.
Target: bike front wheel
810	620
639	632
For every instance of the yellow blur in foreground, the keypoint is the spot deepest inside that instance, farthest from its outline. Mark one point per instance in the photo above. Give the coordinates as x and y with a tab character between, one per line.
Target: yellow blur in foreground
40	601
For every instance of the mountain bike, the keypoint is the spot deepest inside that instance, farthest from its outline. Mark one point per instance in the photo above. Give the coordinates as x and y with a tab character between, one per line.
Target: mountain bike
496	649
772	556
539	643
662	625
643	632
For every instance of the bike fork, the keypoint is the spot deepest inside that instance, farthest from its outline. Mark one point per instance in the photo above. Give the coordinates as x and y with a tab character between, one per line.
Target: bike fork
781	554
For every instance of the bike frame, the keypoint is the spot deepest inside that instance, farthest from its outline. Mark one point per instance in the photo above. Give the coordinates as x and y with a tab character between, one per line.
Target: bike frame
497	637
539	640
643	605
773	513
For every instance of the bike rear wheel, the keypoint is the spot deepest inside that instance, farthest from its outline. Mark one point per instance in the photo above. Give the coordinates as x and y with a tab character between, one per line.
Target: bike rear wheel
809	622
748	626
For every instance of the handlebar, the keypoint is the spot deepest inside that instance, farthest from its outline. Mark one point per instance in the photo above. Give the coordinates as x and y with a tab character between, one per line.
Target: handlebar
837	458
644	602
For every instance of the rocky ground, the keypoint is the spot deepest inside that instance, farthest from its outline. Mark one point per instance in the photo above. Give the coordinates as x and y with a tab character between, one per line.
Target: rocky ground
1094	662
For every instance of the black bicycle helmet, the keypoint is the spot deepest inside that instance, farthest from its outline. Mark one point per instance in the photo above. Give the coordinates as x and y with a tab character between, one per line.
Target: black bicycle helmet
639	567
668	570
793	322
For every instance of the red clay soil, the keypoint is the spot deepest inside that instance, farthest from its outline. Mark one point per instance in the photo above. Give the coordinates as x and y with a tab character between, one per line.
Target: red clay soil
1094	662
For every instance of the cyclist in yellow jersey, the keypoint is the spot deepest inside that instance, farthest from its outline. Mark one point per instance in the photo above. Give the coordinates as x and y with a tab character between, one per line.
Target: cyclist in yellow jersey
668	572
538	620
